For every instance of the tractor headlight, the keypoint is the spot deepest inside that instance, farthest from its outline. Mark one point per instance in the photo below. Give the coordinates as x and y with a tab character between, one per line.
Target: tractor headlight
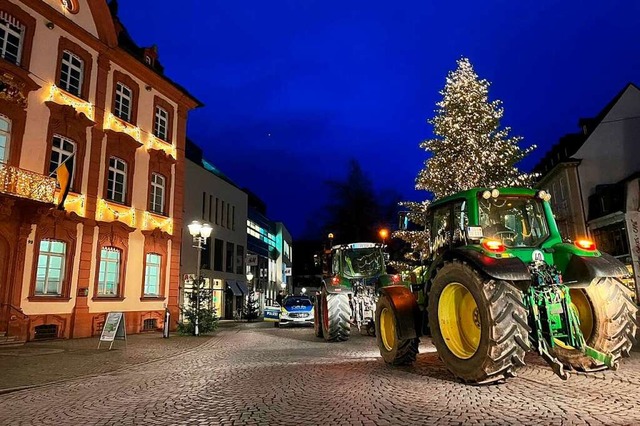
486	195
495	193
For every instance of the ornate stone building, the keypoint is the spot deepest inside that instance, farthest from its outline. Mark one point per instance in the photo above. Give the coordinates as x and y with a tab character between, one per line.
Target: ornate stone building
75	89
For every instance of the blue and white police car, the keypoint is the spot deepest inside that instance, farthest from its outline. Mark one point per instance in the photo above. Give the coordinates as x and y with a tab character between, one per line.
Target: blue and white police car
296	310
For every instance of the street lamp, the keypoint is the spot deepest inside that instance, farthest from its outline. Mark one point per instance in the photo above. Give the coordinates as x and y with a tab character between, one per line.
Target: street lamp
384	233
303	290
200	232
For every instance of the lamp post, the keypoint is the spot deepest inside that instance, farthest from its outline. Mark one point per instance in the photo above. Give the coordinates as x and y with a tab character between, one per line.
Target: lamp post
303	290
384	233
283	286
200	232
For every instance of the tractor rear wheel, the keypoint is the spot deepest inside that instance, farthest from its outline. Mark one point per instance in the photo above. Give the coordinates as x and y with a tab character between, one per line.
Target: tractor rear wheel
607	321
317	318
478	325
394	351
336	317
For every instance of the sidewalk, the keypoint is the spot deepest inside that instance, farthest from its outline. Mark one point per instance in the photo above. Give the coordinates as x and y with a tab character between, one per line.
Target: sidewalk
37	363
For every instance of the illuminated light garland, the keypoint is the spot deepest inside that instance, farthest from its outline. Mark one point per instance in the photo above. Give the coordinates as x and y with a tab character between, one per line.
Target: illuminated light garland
27	184
159	144
114	123
128	215
59	96
119	213
75	203
150	223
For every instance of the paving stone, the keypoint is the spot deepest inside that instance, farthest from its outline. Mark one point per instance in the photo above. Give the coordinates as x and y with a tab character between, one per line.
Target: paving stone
260	375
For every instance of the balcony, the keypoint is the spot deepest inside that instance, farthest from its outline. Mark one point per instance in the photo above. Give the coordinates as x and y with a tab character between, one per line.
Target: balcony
26	184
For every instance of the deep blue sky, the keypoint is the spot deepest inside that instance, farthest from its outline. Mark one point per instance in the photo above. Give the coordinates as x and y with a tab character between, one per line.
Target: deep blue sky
294	88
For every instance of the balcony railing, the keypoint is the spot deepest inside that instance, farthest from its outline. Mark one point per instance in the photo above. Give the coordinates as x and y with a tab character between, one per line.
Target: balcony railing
27	184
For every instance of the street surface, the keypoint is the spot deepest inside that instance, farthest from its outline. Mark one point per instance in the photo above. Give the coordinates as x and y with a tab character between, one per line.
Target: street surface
254	374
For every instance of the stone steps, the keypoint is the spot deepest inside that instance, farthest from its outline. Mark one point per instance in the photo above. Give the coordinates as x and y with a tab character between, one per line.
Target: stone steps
9	340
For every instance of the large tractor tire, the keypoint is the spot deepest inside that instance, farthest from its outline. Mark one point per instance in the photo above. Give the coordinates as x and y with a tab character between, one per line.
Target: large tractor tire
336	317
317	318
394	351
607	321
478	325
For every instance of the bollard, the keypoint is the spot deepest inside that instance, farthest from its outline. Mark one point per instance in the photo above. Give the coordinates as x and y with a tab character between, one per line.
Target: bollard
167	319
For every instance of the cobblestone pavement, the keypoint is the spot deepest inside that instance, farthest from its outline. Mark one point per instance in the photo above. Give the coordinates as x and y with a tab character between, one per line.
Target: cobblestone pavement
258	375
43	362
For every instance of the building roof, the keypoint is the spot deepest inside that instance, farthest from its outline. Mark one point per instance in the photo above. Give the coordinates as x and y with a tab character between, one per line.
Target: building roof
570	143
126	42
194	153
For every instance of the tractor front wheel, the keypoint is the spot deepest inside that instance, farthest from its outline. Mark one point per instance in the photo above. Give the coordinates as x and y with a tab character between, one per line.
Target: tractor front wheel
607	320
336	317
478	325
394	351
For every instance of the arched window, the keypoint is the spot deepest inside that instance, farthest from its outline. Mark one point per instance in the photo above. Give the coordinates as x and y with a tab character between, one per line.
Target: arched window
51	268
12	34
156	200
62	149
109	274
71	73
117	180
5	138
152	274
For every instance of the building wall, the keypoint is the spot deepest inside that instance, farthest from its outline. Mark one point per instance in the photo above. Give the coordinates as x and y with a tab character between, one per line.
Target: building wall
203	188
610	153
89	221
563	184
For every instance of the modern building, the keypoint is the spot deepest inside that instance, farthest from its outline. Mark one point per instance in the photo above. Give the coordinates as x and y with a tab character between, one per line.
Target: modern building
212	197
270	249
76	90
593	179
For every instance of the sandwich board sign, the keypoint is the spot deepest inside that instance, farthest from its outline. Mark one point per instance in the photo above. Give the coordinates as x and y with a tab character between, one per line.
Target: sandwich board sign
113	329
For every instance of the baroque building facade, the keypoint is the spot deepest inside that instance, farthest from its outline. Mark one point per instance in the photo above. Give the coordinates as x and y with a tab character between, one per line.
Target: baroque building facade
76	90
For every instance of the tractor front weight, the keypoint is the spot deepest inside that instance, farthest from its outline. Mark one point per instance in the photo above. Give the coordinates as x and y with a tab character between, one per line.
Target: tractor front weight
554	321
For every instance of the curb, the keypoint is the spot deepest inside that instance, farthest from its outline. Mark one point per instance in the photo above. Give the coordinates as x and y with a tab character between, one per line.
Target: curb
105	373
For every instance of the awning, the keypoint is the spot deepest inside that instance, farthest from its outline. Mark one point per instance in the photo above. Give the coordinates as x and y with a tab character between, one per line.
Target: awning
243	286
233	286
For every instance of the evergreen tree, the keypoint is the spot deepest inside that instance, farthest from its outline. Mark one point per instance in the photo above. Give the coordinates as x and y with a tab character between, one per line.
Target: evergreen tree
199	305
469	150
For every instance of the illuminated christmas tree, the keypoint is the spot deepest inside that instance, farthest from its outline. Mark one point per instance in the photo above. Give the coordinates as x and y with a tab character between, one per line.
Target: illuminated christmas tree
469	149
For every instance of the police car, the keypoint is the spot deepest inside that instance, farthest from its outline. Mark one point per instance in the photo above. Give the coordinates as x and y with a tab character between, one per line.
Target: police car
296	310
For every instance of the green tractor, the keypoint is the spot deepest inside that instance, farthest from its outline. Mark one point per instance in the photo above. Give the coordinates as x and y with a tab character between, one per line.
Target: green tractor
499	281
353	276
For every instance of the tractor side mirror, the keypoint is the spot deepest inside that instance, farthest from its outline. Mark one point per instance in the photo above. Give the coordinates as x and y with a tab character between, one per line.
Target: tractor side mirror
386	257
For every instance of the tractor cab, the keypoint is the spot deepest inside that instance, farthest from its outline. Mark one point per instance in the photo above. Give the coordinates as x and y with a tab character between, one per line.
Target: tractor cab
358	260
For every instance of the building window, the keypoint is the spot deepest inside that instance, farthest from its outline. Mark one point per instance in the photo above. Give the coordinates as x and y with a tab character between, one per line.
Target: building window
233	218
117	182
230	257
150	324
217	208
148	60
240	260
124	100
50	268
5	138
228	216
156	202
109	275
217	255
61	150
152	274
71	72
11	38
161	124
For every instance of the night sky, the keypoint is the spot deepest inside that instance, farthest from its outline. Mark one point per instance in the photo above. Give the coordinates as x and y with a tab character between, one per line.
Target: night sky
294	89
